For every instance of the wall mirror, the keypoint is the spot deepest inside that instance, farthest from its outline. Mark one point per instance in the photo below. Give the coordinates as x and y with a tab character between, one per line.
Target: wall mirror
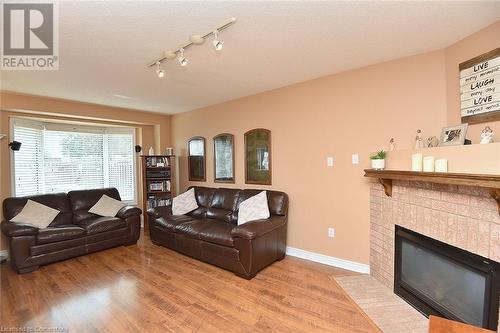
196	158
224	158
258	157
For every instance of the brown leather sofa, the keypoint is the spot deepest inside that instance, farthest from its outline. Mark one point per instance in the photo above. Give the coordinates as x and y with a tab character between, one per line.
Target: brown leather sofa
211	234
74	232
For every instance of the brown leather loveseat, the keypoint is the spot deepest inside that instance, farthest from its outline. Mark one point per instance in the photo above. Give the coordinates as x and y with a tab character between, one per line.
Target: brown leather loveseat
211	234
74	232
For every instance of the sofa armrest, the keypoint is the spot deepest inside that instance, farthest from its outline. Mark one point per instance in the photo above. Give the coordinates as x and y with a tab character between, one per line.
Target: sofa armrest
128	211
160	211
11	229
254	229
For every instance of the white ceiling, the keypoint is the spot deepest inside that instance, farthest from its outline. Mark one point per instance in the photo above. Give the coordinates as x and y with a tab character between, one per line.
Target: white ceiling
105	46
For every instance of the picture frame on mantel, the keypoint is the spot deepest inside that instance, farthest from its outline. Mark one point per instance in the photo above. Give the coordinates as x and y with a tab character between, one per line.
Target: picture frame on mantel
480	88
453	135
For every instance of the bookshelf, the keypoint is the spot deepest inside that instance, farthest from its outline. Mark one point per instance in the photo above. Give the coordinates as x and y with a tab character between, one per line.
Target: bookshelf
157	182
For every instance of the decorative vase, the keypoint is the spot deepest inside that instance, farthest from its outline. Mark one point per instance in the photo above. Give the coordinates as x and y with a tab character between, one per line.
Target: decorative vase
378	164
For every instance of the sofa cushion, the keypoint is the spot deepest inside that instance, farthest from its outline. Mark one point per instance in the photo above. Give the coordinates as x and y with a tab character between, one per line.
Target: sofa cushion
97	224
59	201
184	203
253	208
191	229
223	204
217	232
169	222
107	206
59	233
82	201
276	200
36	214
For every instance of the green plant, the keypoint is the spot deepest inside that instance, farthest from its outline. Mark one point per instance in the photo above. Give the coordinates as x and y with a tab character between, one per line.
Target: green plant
379	155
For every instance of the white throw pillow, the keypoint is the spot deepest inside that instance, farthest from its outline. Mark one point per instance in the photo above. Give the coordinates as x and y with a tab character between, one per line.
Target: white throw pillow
107	206
184	203
253	208
36	214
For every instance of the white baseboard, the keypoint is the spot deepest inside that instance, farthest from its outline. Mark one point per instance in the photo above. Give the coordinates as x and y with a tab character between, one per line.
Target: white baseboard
327	260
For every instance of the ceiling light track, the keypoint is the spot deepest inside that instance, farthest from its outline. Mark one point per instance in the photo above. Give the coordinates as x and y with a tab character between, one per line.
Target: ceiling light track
193	40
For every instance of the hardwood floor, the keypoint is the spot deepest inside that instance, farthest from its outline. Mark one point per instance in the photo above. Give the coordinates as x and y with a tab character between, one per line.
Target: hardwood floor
148	288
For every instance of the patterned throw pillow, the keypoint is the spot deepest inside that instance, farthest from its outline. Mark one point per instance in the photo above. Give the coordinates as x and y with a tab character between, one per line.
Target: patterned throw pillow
36	214
107	206
253	208
184	203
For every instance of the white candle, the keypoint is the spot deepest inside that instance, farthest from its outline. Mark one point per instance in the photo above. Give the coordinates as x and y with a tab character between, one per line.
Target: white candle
416	162
429	164
441	165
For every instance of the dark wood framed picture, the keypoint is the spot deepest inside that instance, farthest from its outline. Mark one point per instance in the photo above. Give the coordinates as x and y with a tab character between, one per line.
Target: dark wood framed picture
479	88
224	158
258	168
196	159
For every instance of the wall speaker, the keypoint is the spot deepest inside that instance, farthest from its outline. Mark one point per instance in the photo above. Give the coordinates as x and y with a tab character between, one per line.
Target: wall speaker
138	149
15	145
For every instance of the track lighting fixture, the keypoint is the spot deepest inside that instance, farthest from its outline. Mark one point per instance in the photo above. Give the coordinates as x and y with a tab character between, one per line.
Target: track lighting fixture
181	59
216	42
160	72
193	40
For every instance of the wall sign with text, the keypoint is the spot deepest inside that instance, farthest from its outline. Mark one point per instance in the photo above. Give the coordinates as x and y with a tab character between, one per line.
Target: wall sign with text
480	88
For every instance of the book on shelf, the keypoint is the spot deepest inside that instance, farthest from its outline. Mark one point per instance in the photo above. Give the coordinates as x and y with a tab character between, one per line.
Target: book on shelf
154	202
159	185
157	162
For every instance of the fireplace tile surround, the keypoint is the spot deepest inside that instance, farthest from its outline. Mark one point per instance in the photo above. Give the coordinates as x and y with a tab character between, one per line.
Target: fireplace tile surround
463	216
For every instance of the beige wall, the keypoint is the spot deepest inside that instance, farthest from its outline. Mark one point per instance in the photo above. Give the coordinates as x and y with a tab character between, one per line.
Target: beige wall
153	130
338	115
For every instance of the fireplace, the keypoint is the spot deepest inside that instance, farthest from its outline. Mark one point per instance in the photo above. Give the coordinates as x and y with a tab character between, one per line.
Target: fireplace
437	278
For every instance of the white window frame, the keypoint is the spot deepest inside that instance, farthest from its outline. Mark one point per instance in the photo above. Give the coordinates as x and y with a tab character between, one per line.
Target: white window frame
69	127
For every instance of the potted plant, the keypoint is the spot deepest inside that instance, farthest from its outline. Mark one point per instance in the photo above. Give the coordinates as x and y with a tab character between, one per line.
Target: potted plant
378	160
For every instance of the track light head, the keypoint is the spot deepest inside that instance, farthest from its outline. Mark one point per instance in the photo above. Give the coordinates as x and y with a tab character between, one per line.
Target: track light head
160	72
216	42
182	60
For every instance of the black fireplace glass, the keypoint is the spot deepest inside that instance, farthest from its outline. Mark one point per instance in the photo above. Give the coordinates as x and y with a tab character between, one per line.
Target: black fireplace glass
460	290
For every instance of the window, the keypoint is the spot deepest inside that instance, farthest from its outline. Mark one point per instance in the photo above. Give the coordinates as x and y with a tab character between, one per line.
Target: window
61	158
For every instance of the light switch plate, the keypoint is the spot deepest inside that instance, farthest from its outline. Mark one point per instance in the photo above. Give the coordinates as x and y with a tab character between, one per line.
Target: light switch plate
355	159
329	161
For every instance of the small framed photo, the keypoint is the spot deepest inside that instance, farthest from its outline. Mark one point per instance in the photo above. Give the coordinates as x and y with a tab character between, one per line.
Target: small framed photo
453	135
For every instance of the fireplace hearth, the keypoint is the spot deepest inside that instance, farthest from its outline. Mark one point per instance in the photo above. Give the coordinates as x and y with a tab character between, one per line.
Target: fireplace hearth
437	278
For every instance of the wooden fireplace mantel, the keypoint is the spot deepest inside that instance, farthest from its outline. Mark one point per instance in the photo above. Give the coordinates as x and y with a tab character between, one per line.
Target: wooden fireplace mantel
385	177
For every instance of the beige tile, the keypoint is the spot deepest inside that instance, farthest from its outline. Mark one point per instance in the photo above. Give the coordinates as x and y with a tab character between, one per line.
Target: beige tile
445	206
472	235
461	199
483	239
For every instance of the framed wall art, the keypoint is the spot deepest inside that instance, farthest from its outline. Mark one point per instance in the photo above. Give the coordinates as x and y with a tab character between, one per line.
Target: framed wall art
258	168
224	158
480	88
196	159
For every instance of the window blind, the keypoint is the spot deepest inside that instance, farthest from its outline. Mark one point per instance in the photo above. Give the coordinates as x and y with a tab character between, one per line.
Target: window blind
60	158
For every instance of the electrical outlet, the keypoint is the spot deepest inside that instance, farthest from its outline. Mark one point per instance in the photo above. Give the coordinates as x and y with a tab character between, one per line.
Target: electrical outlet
355	159
331	232
329	161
